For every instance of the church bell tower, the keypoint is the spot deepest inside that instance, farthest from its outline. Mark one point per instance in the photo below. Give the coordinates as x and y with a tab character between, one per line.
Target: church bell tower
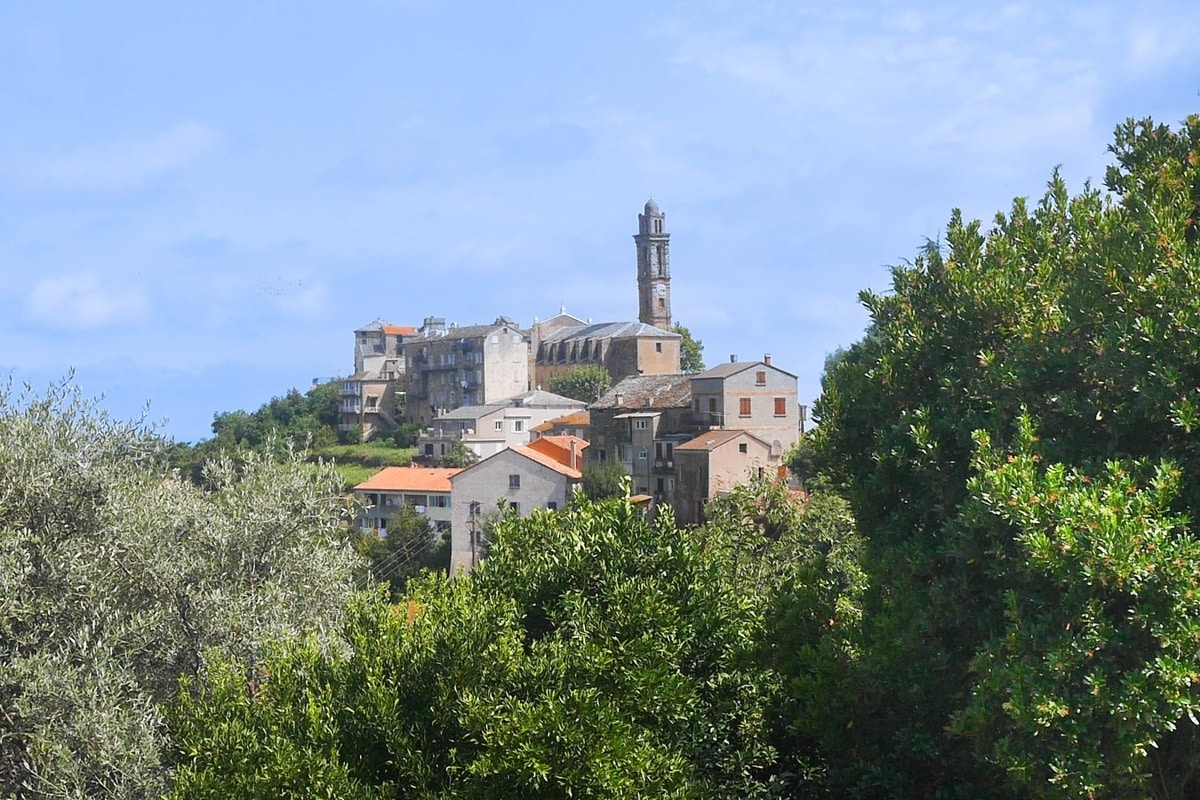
654	267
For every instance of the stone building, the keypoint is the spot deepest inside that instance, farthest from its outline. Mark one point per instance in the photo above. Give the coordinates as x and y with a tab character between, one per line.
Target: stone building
645	347
372	397
521	479
447	366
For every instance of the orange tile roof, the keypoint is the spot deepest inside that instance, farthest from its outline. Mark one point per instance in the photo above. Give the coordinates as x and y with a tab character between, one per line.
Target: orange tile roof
578	419
559	448
399	330
409	479
548	461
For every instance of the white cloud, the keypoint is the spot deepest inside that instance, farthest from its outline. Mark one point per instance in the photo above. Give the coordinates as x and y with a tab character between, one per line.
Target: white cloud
125	164
1152	49
82	301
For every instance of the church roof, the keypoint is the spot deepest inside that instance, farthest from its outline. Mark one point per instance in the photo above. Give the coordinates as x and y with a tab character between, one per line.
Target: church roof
609	330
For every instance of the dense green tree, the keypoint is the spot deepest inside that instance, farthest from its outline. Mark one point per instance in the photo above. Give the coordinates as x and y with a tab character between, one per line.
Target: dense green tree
1080	312
409	548
585	382
691	350
458	456
593	654
604	479
117	578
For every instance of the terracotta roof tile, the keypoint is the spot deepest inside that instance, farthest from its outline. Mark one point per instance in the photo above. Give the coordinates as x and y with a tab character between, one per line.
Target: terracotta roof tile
559	448
408	479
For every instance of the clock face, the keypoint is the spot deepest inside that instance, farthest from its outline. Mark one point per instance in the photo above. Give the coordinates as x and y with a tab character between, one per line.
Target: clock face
660	290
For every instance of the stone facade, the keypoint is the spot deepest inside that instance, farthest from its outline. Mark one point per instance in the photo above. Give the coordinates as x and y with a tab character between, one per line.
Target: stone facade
653	267
519	478
447	367
371	398
749	395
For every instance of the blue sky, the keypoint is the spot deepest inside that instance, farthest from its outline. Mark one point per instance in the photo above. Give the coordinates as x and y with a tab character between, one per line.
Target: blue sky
199	204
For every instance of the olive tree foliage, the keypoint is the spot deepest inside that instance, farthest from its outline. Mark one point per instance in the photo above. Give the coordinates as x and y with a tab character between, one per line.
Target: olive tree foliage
595	654
117	578
1080	313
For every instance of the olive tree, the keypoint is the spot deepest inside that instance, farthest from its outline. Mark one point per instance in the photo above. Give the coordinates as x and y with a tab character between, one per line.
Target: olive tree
117	578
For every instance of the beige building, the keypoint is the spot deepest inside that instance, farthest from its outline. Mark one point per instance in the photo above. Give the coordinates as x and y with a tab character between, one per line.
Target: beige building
715	462
447	366
577	424
749	395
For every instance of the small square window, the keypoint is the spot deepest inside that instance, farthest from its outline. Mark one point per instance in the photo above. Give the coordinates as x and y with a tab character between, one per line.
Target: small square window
743	448
514	481
760	378
744	407
553	506
641	424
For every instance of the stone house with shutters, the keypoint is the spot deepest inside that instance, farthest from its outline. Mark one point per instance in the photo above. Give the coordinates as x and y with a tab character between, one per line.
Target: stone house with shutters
754	396
715	462
541	475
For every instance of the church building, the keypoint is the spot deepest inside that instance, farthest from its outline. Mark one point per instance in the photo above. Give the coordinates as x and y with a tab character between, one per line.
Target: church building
645	347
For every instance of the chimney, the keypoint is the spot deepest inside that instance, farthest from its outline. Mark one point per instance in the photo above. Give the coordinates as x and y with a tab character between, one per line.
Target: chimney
733	358
618	399
767	359
574	455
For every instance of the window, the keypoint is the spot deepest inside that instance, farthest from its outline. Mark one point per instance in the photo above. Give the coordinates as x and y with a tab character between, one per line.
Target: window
553	506
516	507
781	406
499	424
518	425
641	424
514	481
643	453
744	407
658	347
743	448
760	378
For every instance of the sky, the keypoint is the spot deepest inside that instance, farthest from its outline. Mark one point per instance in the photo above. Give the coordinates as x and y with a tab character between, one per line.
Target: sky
200	202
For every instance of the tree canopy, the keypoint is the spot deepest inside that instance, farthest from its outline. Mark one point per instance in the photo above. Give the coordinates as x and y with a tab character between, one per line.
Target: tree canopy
1016	434
584	382
116	579
691	350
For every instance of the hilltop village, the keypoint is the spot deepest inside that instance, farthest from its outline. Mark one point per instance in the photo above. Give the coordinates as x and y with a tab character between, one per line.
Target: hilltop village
682	438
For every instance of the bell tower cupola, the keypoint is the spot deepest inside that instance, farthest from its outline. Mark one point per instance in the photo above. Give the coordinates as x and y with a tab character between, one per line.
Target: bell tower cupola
653	267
